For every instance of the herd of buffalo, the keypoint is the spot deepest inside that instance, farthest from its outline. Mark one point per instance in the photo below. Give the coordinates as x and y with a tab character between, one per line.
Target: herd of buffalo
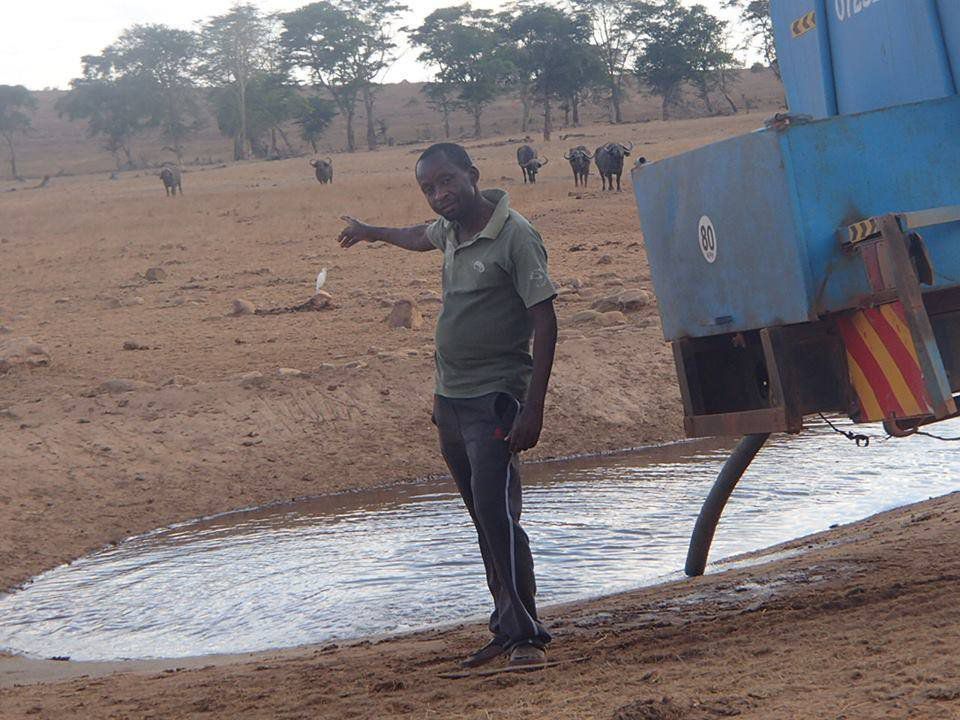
608	158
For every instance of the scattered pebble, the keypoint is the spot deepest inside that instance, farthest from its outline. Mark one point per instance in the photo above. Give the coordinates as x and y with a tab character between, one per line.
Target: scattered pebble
134	345
405	314
291	372
613	317
180	381
586	316
243	307
253	379
155	274
115	386
22	351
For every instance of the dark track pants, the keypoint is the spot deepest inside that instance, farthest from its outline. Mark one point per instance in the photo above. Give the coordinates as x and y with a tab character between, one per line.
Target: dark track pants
472	432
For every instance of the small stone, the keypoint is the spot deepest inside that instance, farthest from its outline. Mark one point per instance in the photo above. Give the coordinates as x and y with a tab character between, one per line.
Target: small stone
116	386
321	301
405	314
155	274
22	351
604	260
290	372
62	301
635	299
614	317
586	316
355	365
180	381
4	330
134	345
253	379
243	307
606	304
135	300
571	282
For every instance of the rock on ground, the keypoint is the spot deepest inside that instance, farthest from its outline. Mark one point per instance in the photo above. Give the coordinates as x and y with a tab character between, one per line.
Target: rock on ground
243	307
405	314
155	274
22	351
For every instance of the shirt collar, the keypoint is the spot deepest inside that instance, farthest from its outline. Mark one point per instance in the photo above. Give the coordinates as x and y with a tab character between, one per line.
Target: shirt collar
494	225
500	213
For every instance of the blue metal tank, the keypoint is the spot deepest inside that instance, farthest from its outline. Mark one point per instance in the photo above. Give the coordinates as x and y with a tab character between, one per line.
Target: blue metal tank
850	56
769	206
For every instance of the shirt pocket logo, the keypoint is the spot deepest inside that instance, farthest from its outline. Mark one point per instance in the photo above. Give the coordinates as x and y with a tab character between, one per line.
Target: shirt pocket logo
479	266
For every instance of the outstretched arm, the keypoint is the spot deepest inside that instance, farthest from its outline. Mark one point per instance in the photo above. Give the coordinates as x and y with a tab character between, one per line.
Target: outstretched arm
525	432
408	238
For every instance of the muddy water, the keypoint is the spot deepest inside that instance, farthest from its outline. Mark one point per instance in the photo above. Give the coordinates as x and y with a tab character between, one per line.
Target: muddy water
391	560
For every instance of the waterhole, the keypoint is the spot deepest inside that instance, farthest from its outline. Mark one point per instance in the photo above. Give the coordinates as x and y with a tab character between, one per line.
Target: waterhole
405	557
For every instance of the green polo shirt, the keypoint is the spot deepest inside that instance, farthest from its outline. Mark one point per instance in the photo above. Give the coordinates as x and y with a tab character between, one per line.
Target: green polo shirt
489	281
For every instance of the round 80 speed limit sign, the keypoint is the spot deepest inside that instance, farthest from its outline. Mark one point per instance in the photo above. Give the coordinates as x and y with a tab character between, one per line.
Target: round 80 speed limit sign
707	239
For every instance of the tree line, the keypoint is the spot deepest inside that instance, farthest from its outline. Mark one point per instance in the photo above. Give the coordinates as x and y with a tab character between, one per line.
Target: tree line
259	73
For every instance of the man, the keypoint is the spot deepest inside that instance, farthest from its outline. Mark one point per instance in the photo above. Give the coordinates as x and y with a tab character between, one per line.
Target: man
490	391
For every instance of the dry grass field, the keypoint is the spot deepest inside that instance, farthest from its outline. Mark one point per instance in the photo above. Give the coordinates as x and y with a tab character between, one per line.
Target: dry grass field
157	405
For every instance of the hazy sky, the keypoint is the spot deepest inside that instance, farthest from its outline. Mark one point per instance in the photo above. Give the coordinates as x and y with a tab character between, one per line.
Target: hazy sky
41	42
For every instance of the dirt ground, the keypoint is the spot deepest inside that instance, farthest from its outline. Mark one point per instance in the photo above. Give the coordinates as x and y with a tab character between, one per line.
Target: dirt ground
862	623
211	412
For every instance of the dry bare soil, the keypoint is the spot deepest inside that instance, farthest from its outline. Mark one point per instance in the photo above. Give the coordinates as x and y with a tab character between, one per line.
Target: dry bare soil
104	442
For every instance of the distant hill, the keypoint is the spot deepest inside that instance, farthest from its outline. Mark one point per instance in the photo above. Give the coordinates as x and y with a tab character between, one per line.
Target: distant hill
58	145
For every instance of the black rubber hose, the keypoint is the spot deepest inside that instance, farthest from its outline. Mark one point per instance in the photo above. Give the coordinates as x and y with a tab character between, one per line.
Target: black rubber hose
727	480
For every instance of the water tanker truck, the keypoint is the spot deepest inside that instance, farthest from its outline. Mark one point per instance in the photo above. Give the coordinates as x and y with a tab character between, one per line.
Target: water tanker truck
813	266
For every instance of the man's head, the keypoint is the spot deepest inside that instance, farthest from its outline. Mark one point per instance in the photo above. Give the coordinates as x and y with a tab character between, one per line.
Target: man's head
448	179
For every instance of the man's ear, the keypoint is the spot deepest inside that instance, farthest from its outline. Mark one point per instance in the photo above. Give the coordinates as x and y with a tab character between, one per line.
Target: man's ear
474	174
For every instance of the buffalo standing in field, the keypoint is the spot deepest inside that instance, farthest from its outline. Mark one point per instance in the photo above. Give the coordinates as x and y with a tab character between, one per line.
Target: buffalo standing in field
324	170
529	163
170	175
609	162
579	158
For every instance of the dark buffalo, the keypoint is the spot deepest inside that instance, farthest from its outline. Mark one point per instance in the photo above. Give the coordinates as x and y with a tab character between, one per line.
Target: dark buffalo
170	175
609	161
324	170
579	158
529	163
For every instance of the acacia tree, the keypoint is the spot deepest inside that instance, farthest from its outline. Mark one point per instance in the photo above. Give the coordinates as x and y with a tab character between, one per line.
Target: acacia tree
375	53
314	117
616	41
681	45
270	102
710	60
115	110
344	46
552	48
465	47
236	48
16	105
441	97
162	59
436	37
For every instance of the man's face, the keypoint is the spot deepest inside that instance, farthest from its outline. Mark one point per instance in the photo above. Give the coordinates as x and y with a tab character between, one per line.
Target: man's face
450	190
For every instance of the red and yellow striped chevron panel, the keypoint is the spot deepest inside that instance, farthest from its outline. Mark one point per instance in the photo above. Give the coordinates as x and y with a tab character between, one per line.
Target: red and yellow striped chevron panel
882	361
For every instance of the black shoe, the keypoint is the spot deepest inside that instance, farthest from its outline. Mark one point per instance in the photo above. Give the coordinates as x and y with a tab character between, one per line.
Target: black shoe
488	653
527	655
